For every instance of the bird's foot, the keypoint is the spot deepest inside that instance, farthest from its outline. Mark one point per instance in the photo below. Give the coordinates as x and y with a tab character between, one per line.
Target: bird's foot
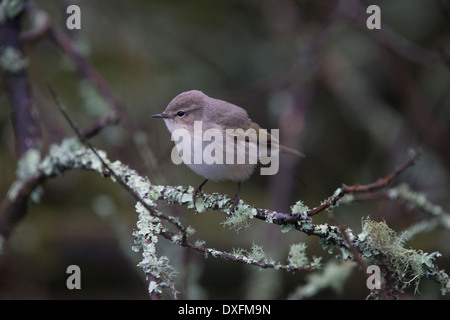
198	190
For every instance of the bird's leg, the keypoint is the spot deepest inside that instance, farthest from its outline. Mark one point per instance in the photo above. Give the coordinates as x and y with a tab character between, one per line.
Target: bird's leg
237	197
197	190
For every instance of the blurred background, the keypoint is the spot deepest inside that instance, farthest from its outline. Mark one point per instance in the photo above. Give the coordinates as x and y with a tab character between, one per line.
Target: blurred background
354	100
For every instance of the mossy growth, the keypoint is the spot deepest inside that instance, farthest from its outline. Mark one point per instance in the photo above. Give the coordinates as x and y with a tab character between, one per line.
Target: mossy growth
241	217
297	255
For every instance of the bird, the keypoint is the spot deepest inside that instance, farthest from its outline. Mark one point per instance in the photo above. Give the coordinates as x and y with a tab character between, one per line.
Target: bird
229	123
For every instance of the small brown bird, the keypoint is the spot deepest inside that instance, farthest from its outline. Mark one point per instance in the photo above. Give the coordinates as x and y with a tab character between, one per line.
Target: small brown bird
218	140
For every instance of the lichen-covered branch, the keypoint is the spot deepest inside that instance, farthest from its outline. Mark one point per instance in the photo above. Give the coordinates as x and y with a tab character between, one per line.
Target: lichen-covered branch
376	243
381	246
71	154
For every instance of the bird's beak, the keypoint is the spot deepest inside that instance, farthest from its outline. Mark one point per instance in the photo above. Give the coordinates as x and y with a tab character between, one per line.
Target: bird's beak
161	115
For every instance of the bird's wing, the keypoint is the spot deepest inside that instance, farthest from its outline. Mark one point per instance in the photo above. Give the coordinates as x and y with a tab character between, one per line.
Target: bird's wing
241	120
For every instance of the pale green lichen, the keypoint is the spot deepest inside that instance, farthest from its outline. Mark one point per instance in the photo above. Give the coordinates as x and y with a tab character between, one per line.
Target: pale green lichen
321	228
200	243
69	154
345	253
200	205
94	104
238	252
155	192
414	199
186	197
28	164
297	257
299	206
257	253
146	239
27	168
12	60
305	224
287	227
190	231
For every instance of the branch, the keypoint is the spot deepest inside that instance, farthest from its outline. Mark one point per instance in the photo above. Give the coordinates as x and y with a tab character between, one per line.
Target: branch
27	133
355	253
380	183
157	269
26	129
14	207
42	28
239	257
40	24
355	11
412	200
70	155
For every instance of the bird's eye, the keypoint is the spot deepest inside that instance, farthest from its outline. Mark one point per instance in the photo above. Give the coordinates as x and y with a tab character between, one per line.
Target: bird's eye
181	114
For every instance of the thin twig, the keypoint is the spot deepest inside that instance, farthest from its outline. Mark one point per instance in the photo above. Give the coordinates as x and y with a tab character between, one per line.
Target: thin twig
355	253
